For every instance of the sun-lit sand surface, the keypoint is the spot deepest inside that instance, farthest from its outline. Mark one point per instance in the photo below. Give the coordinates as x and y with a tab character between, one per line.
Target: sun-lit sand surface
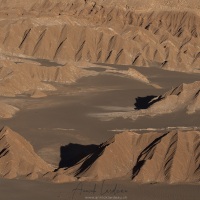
99	99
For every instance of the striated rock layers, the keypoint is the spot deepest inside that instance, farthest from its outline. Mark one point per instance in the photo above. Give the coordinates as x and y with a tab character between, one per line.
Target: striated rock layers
162	33
17	78
63	5
17	157
152	157
170	157
185	96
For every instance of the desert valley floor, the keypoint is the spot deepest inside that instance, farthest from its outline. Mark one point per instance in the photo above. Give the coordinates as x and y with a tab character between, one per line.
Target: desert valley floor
69	117
68	114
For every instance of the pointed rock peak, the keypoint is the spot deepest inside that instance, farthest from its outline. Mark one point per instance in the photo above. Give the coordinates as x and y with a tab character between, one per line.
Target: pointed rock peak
120	136
18	158
151	157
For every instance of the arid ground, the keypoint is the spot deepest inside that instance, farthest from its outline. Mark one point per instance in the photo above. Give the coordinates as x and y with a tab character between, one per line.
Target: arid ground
100	99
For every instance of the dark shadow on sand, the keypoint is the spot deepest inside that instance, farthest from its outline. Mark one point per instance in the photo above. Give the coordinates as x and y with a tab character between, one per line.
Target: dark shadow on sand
146	102
91	159
71	154
145	155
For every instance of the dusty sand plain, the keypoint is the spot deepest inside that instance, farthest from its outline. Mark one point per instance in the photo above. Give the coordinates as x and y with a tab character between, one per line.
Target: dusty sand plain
20	189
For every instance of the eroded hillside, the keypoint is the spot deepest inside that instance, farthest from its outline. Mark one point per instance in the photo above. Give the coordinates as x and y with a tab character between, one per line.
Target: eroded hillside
171	157
105	32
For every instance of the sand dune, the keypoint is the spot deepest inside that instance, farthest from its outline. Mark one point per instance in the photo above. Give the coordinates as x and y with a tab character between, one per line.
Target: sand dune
17	157
91	31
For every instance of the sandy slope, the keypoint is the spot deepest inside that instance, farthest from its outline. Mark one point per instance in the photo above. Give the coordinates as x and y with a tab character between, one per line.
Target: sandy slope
22	77
182	98
7	111
17	157
137	33
162	33
131	73
152	157
62	5
185	96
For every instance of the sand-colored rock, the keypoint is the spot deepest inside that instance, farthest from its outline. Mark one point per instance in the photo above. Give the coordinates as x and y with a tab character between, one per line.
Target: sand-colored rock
185	96
182	98
7	111
38	94
17	157
35	7
162	33
133	73
22	77
195	104
19	78
170	157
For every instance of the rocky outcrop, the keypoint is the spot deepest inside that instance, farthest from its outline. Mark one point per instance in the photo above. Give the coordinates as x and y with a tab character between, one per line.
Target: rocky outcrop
182	98
140	34
185	96
17	157
21	77
170	157
132	73
7	111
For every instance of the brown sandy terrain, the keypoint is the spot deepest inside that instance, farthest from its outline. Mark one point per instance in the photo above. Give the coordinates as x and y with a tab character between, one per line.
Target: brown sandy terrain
23	190
7	111
38	94
19	78
65	115
132	73
17	157
91	31
141	49
184	97
151	157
